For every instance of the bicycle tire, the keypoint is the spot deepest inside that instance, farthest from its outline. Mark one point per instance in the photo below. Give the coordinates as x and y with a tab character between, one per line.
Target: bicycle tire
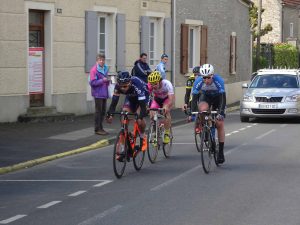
205	146
197	136
138	158
167	148
120	164
153	146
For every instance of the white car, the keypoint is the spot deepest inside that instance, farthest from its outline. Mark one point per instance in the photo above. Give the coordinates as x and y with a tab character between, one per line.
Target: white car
272	93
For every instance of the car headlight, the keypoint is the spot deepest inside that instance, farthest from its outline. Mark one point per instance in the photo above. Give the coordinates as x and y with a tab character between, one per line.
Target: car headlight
293	98
248	98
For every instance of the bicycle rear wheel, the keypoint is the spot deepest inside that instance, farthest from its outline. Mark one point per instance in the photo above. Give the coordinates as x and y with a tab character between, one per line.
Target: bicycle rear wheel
152	143
138	157
206	146
167	148
120	155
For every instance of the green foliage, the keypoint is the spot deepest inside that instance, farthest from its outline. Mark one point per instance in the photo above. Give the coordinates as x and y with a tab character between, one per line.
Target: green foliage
263	62
253	13
286	56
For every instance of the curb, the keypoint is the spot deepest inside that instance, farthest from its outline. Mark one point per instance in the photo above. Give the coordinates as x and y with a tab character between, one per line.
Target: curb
38	161
96	145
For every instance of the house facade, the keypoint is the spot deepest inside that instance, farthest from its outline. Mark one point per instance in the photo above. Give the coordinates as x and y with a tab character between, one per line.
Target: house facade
283	15
48	46
206	33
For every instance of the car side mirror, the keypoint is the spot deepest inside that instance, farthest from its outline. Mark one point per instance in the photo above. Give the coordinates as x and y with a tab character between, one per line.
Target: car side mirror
244	85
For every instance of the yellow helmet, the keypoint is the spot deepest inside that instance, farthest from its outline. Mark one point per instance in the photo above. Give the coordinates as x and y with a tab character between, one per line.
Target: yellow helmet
154	77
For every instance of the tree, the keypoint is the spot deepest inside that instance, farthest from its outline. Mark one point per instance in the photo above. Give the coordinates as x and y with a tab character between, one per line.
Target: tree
253	12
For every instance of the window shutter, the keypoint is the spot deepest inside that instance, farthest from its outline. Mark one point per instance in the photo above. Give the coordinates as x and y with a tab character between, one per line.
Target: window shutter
235	55
145	32
184	48
168	41
230	54
121	47
91	28
203	45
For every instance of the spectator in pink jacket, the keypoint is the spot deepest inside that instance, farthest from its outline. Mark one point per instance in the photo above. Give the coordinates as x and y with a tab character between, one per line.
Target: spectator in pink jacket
99	82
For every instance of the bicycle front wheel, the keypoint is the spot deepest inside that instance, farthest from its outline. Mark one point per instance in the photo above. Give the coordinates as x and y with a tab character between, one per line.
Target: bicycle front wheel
167	147
152	143
197	134
138	158
120	155
205	147
216	150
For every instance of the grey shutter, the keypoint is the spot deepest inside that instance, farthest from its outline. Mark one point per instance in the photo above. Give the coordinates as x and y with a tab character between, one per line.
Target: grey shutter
91	28
168	41
145	32
121	49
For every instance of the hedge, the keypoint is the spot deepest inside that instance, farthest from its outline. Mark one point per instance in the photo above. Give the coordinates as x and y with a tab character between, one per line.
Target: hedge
285	56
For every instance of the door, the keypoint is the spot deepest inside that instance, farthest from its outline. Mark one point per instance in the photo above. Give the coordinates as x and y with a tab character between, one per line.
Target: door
36	40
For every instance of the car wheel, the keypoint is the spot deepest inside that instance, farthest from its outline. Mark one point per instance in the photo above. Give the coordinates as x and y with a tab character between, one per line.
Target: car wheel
244	119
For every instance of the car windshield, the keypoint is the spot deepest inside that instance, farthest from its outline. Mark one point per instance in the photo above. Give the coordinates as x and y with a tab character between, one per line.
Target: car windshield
275	81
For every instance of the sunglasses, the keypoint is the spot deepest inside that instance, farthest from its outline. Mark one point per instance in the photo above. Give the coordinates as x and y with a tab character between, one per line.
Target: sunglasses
154	84
206	77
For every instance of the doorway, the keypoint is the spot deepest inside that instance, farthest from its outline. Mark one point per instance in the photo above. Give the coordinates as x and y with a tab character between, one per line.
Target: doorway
37	41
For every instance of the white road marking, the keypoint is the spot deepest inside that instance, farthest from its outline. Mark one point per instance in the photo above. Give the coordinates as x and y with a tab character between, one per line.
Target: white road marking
244	128
51	180
103	183
12	219
49	204
249	126
76	193
182	143
97	218
265	134
228	134
234	132
283	125
168	182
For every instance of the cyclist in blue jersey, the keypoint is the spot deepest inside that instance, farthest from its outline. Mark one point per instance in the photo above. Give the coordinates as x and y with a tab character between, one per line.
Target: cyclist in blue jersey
136	100
208	90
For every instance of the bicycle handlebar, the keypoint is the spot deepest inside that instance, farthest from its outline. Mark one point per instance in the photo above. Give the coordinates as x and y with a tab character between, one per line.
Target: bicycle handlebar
124	113
157	110
205	112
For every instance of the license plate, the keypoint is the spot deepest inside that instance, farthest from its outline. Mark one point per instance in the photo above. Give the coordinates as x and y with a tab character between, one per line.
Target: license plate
268	106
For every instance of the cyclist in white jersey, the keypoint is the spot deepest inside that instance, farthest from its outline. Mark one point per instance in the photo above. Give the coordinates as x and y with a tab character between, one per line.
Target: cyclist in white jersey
163	93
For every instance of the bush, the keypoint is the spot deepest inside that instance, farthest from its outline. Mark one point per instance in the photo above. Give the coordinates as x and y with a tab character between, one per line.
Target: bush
285	56
263	62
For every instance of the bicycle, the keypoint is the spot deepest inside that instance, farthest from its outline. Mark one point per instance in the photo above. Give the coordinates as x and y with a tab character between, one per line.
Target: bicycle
126	145
206	142
156	135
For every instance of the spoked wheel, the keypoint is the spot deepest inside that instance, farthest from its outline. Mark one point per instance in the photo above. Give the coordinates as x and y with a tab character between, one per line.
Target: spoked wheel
120	155
152	143
167	147
138	157
197	134
216	151
206	153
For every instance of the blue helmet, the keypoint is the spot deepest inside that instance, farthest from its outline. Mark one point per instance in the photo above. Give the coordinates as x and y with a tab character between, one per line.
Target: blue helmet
123	77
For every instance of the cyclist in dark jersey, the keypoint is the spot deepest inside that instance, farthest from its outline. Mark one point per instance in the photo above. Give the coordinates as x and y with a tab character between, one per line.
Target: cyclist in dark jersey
136	100
209	90
188	88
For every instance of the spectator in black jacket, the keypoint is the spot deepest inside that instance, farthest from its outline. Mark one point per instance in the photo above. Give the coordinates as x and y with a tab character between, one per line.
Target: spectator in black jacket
141	68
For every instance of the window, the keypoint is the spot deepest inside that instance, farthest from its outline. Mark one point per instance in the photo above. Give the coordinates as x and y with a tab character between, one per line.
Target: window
192	49
152	44
102	35
291	29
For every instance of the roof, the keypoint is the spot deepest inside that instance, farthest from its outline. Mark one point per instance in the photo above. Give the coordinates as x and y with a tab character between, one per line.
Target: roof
291	2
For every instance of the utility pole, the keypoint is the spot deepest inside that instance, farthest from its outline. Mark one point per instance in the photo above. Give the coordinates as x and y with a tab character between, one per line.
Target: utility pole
258	35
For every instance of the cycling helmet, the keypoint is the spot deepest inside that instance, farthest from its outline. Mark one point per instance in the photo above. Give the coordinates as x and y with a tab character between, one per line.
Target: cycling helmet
196	69
123	77
206	70
154	77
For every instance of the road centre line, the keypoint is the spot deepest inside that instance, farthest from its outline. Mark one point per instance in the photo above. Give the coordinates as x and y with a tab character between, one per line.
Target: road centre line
184	174
103	183
95	219
52	180
49	204
265	134
12	219
76	193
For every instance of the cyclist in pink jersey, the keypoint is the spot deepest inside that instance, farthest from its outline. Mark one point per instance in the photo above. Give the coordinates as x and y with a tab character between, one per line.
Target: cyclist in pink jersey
163	97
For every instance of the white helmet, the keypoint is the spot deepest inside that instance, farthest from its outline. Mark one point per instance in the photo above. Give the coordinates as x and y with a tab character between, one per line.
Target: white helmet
206	70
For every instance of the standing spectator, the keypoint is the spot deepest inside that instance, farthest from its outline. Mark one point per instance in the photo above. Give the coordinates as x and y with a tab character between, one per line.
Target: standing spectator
161	67
141	68
99	83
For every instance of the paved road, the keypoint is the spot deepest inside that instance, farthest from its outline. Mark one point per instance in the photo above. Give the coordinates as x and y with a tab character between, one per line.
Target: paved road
259	184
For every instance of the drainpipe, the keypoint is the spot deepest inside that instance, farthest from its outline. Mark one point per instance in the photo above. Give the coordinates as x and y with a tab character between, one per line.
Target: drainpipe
173	41
282	19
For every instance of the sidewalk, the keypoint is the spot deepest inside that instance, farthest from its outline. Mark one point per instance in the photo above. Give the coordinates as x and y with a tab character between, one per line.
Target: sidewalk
34	143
